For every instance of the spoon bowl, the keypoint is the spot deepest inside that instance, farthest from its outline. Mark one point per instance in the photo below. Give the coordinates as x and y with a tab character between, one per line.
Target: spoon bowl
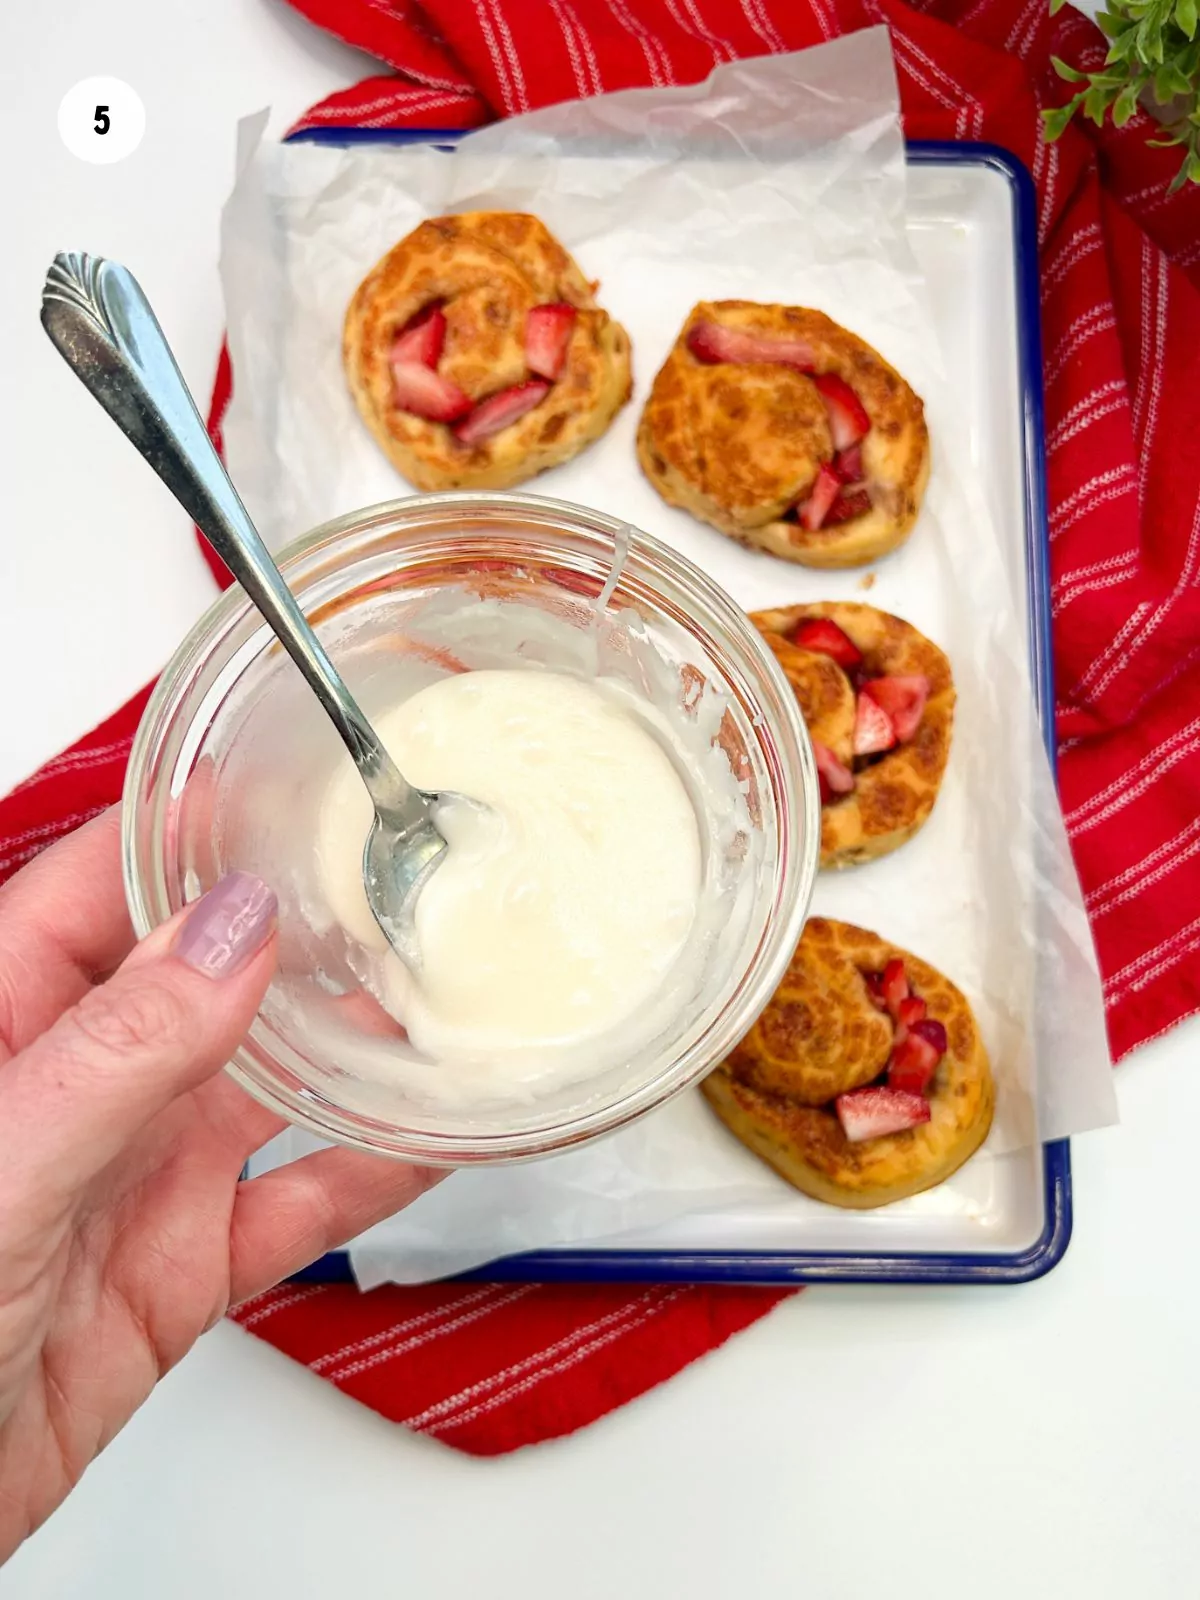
397	860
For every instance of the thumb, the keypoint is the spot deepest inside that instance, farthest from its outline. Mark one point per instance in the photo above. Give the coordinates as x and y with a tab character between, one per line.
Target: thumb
167	1020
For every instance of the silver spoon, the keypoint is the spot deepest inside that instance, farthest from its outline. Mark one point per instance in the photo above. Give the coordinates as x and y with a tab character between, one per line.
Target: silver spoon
103	327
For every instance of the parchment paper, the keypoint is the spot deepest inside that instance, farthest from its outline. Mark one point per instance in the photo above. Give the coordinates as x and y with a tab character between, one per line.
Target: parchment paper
780	179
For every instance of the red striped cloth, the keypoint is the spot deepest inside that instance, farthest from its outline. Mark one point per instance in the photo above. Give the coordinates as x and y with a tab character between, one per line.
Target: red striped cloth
488	1368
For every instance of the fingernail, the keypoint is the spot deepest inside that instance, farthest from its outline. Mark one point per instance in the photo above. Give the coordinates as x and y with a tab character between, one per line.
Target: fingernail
228	925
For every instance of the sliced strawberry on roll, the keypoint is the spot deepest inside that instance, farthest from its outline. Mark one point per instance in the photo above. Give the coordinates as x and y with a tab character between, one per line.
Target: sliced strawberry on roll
500	411
874	983
421	339
846	507
848	464
913	1064
908	1012
873	728
812	512
895	986
903	698
710	342
547	335
836	778
933	1032
911	1011
848	420
825	638
424	393
872	1112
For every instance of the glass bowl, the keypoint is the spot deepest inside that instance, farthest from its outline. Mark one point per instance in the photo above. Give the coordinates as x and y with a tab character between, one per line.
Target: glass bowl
227	772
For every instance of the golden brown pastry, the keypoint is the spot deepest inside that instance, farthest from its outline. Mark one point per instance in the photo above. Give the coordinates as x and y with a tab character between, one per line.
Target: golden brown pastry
787	432
878	700
865	1079
478	356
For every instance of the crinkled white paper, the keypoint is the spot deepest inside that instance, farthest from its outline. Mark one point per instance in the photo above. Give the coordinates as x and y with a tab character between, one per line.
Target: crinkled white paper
780	179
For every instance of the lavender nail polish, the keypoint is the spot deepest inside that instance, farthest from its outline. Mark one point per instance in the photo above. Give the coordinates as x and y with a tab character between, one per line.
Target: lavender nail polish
228	925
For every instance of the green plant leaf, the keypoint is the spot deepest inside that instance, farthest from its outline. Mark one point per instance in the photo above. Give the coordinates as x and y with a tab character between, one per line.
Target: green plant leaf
1056	120
1094	106
1127	104
1071	74
1149	39
1152	44
1056	6
1124	48
1169	82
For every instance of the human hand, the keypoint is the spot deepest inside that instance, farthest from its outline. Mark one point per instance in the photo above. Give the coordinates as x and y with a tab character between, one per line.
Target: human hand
125	1231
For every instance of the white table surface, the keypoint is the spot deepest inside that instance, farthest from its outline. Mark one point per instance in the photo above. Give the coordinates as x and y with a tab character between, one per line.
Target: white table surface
919	1442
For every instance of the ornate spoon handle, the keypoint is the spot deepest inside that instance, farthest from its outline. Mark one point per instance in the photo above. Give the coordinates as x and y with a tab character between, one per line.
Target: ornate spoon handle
102	325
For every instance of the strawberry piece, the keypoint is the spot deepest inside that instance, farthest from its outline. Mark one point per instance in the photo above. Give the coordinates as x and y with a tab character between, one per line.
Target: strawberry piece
910	1011
836	779
421	339
827	639
903	699
421	391
547	335
710	342
821	496
874	983
848	464
848	421
499	410
870	1113
873	730
895	986
913	1064
933	1032
846	507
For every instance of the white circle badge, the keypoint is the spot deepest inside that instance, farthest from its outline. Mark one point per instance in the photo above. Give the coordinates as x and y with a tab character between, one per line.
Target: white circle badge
101	120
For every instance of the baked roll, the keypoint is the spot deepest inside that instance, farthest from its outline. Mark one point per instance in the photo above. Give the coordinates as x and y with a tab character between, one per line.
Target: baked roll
787	432
865	1079
477	355
878	699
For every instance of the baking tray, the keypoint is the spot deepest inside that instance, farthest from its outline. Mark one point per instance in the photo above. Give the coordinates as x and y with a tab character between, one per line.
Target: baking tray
973	226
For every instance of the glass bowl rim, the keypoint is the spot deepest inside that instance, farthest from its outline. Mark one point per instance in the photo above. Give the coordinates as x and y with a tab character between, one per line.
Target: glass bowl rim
779	936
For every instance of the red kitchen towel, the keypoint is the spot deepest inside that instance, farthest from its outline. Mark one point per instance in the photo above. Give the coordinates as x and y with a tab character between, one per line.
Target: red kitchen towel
490	1367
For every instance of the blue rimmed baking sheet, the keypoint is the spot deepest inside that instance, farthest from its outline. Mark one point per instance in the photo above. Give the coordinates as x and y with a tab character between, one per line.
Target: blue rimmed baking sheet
929	164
